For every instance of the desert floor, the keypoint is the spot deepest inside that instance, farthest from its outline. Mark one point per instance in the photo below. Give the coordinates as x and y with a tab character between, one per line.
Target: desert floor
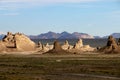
86	66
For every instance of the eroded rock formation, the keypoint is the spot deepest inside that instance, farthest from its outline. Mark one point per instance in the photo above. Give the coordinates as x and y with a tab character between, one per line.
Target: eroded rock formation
118	43
16	42
111	47
80	48
66	45
57	49
79	44
2	46
23	43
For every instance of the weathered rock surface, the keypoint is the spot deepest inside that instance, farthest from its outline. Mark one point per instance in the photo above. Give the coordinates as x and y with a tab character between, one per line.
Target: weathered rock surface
79	47
49	46
39	44
66	45
57	49
23	43
2	46
79	44
118	43
87	48
16	42
43	48
111	47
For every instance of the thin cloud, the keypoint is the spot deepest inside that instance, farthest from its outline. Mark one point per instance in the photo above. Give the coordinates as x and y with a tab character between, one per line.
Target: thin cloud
41	2
13	4
45	1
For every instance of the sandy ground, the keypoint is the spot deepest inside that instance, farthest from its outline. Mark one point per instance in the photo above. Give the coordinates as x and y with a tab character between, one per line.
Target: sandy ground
39	54
59	59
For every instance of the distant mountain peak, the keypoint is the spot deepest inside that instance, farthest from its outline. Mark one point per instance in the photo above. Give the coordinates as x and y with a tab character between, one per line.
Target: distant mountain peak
48	35
115	35
75	33
62	35
65	32
50	32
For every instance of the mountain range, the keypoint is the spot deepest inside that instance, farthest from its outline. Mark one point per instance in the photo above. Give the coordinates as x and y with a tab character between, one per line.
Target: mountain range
66	35
115	35
63	35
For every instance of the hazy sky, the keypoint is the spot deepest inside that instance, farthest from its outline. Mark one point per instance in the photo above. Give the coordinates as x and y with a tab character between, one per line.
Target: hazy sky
95	17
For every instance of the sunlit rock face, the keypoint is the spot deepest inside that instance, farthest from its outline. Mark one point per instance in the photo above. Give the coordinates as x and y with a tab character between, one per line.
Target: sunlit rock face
111	47
57	49
66	45
17	42
2	46
23	43
79	44
79	47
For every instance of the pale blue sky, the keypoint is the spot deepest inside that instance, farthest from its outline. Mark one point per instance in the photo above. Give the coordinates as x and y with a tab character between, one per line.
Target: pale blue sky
95	17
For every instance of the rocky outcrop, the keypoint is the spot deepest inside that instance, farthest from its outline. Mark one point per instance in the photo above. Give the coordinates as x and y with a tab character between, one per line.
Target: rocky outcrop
16	42
49	46
23	43
79	47
118	43
66	45
39	44
87	48
79	44
43	48
111	47
2	46
67	48
57	49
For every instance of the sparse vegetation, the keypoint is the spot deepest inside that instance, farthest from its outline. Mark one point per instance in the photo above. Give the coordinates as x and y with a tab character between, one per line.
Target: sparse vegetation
59	67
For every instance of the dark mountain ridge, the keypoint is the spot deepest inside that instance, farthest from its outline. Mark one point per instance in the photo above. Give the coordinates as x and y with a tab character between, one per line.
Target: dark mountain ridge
63	35
66	35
